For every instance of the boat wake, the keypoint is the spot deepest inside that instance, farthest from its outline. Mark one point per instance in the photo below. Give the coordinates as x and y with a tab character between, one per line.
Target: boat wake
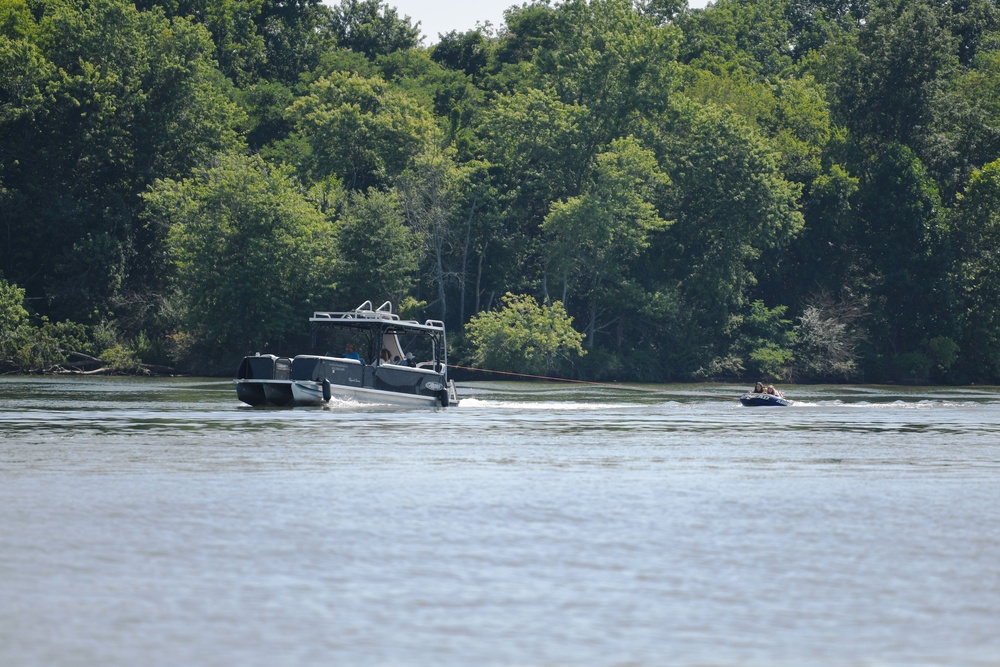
901	405
922	404
344	404
562	406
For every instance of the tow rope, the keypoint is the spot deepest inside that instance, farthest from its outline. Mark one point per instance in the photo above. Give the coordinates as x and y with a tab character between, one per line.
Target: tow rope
606	385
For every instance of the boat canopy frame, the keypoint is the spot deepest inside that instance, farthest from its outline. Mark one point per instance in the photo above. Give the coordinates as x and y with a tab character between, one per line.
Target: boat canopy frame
378	323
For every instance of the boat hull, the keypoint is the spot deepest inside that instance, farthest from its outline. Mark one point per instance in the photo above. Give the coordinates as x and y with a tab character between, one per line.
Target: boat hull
251	392
265	392
763	400
311	393
314	380
279	392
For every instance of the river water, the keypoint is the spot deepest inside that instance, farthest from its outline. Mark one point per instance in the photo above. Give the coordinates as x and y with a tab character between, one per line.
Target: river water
158	522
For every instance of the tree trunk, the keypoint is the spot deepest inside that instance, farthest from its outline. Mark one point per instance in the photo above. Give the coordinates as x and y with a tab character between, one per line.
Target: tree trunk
463	279
479	277
592	325
439	268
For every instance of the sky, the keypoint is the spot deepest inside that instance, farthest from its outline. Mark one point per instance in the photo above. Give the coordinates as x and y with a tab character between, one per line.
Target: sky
443	16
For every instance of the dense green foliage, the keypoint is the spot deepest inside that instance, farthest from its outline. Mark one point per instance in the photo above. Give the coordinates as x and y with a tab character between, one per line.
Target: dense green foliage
769	189
523	336
248	253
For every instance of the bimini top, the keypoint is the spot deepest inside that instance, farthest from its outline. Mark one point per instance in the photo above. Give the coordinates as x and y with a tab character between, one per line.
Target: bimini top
364	316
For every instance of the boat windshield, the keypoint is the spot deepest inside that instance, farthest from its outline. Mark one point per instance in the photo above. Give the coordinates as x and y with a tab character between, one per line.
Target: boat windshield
405	347
340	342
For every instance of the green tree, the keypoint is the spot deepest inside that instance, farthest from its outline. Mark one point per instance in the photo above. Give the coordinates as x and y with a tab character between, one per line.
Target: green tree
239	48
594	239
363	130
372	27
731	206
25	347
754	35
524	337
976	234
16	343
815	23
765	342
258	40
976	25
379	254
614	61
826	255
903	251
251	258
535	140
468	51
964	130
296	36
904	49
531	27
265	104
792	112
12	311
451	95
662	11
533	146
104	99
432	194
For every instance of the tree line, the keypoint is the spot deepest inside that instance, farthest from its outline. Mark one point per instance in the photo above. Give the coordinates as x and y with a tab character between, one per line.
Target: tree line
795	190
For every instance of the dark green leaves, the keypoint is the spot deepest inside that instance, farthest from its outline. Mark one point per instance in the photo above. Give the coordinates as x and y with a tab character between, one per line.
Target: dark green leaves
252	258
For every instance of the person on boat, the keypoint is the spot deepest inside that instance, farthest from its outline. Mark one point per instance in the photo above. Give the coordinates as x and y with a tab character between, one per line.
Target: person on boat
774	392
349	352
758	388
385	357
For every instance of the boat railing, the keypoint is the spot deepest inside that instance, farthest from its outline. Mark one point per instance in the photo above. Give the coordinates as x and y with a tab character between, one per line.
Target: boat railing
354	315
425	368
366	312
330	357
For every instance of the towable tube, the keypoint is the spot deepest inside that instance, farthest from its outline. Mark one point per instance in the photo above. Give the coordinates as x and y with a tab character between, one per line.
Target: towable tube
763	400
